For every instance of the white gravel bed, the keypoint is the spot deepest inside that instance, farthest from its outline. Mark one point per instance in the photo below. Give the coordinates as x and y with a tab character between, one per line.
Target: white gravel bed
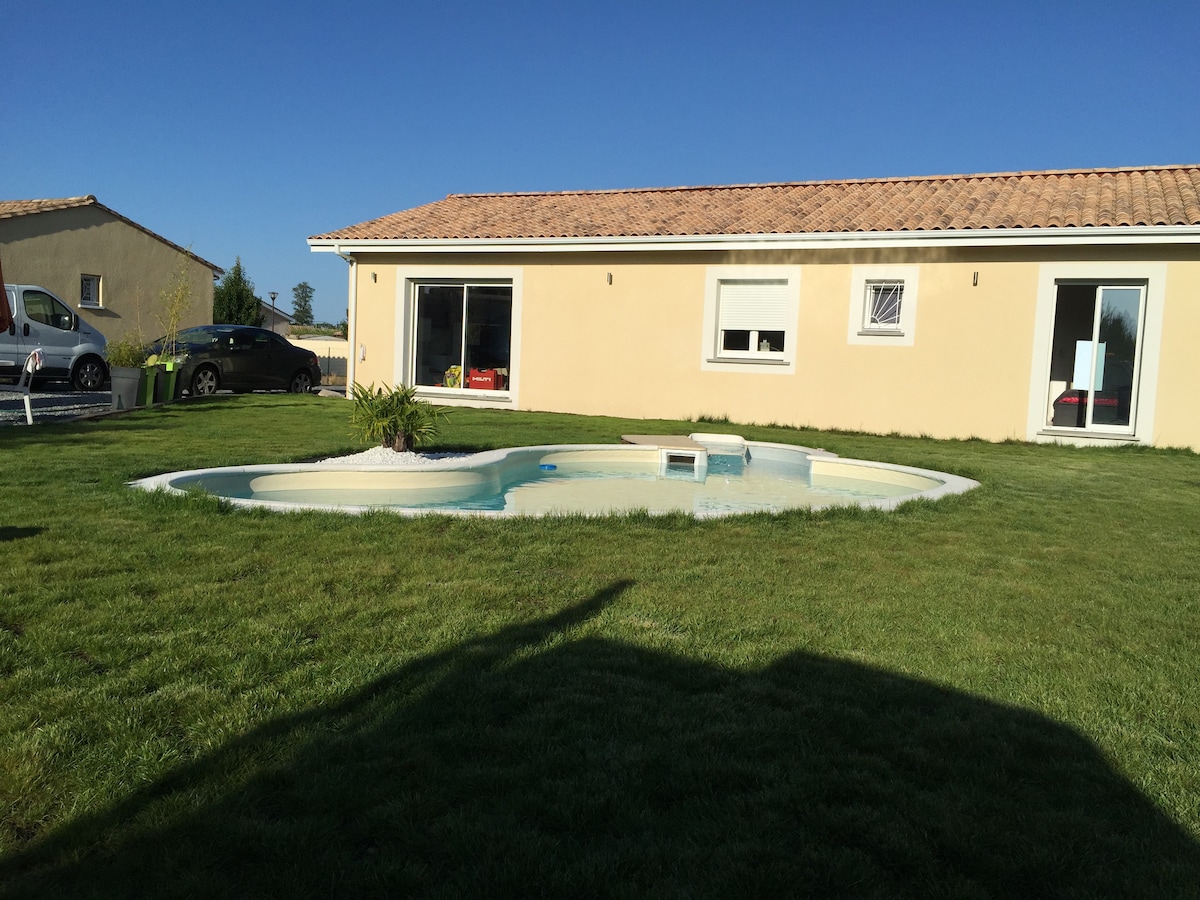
385	456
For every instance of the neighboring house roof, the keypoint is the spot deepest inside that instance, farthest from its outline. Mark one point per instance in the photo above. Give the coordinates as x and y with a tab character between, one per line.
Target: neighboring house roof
1157	196
11	209
266	307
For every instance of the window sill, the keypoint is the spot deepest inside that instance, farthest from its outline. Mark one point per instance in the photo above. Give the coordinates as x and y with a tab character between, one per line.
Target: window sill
430	390
89	306
1085	434
881	332
747	361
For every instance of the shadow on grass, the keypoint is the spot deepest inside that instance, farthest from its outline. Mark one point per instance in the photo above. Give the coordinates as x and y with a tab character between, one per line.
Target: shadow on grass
534	762
17	532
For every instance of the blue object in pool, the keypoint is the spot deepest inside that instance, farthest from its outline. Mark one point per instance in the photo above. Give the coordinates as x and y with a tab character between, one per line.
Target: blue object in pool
549	467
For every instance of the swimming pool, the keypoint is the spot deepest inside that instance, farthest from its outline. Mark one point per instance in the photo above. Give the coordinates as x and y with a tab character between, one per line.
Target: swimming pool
705	475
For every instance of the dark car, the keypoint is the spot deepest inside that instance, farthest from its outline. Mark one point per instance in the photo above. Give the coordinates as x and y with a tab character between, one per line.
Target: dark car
242	358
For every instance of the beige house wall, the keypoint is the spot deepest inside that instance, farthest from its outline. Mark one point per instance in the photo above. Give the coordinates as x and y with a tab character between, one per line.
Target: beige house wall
636	346
55	248
1177	423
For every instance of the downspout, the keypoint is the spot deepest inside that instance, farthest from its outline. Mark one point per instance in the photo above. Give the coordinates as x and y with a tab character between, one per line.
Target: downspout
351	324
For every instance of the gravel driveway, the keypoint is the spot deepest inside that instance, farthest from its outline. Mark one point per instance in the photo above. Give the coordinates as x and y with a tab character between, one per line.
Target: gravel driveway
52	403
59	403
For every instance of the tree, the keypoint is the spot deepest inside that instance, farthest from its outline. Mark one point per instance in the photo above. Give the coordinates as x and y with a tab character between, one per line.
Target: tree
302	304
234	302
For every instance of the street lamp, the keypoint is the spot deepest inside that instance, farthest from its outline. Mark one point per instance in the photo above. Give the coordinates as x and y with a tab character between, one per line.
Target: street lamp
274	294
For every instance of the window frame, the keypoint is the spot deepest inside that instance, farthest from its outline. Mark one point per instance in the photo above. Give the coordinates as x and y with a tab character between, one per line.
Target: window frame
873	291
1152	276
754	336
714	356
53	303
408	281
860	329
97	297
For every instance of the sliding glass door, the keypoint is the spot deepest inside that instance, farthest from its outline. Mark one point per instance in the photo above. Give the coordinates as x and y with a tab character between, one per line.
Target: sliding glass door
463	336
1095	356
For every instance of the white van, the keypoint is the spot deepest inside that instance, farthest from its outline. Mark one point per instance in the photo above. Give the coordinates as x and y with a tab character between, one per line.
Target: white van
73	349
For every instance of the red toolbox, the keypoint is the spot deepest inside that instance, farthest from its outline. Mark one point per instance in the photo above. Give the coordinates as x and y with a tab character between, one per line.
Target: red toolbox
485	380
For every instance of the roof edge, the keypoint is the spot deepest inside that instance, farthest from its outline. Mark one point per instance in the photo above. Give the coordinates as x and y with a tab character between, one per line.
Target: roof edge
977	237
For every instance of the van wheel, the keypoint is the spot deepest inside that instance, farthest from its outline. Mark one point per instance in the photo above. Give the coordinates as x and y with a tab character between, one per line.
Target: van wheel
205	382
90	374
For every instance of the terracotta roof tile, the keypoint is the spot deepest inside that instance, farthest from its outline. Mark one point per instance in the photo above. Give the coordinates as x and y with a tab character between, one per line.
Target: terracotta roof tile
10	209
1166	195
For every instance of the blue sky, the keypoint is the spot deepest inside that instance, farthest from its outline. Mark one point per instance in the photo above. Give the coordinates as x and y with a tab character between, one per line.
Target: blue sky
243	128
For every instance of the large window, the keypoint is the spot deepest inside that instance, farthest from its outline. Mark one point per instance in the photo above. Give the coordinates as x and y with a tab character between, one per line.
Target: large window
1095	356
463	335
1098	336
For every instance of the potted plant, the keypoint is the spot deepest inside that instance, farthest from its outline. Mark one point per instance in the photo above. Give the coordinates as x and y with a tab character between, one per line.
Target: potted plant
176	300
126	368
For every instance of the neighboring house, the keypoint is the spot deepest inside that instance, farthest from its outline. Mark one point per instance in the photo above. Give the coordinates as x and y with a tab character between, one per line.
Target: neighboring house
108	268
1043	306
274	318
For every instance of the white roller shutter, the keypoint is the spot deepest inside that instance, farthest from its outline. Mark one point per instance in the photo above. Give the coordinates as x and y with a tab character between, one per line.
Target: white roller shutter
753	306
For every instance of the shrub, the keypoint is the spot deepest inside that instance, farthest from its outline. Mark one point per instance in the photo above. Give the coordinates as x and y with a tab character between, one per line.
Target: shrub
176	301
129	351
394	416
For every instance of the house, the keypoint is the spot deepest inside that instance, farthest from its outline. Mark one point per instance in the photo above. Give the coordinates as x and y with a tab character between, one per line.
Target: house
275	319
105	266
1047	306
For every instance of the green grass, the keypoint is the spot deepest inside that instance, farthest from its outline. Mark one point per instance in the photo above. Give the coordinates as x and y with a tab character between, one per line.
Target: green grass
994	695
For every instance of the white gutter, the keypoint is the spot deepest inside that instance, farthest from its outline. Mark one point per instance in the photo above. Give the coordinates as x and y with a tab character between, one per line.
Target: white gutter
352	316
976	237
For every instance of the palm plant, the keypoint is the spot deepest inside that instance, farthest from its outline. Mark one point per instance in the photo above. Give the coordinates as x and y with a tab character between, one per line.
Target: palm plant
393	417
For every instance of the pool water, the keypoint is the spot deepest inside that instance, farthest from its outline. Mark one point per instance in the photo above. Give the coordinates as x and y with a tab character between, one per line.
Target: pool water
745	477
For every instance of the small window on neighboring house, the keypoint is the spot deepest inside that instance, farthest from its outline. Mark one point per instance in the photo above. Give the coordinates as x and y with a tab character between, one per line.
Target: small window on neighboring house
752	317
881	308
89	291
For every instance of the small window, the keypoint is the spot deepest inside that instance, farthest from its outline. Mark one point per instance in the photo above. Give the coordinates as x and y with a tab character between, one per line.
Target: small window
89	291
883	305
881	308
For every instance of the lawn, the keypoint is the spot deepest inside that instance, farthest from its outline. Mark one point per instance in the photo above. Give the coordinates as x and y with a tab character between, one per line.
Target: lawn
994	695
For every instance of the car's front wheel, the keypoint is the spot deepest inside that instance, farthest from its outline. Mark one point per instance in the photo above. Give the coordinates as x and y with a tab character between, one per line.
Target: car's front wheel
205	381
301	383
89	374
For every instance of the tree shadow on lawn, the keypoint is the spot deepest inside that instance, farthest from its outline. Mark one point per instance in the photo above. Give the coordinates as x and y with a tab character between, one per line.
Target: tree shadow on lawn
529	762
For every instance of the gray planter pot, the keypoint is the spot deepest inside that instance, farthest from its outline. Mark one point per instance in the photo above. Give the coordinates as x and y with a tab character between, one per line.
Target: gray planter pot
125	386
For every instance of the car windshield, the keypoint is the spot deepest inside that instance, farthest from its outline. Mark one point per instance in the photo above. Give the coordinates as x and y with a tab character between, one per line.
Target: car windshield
196	338
190	339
